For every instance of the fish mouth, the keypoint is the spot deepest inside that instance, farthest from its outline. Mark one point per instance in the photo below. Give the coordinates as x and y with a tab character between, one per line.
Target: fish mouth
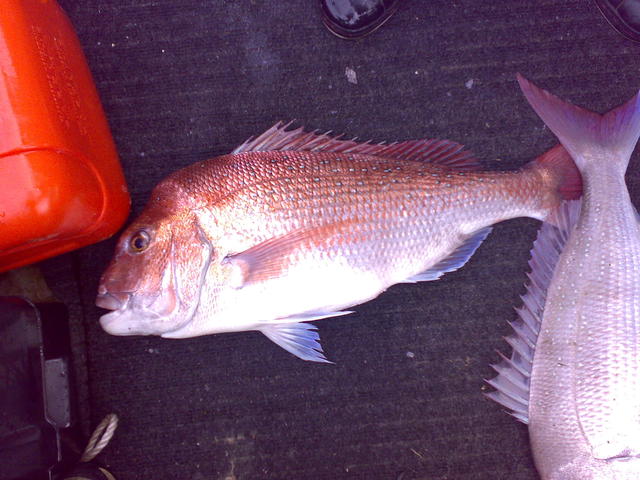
115	322
112	301
128	316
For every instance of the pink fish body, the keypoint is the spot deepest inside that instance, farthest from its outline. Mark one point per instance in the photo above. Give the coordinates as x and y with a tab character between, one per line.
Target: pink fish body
296	226
574	376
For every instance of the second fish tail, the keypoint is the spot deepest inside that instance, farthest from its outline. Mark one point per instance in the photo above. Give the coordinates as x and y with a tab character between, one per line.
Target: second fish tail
588	136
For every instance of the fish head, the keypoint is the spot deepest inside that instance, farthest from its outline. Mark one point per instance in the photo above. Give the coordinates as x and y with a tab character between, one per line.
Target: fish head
152	285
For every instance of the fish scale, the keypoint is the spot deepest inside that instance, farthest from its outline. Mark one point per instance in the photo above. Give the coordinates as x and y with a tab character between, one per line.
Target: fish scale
309	194
387	212
296	226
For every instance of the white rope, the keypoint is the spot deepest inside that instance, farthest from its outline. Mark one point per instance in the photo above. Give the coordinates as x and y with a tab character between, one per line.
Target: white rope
106	474
100	438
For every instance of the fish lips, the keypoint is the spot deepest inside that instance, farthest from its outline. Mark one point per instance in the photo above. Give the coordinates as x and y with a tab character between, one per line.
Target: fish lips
115	322
134	314
112	301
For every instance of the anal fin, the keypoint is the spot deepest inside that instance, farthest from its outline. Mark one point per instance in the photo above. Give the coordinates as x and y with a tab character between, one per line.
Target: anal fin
455	260
513	380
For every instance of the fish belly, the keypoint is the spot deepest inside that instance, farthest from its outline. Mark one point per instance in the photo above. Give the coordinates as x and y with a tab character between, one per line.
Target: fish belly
326	280
319	283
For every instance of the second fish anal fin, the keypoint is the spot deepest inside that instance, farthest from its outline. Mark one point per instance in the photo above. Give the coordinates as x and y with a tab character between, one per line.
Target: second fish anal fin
513	380
455	260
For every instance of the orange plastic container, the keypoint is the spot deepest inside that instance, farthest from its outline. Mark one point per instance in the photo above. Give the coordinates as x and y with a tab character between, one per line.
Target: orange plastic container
61	184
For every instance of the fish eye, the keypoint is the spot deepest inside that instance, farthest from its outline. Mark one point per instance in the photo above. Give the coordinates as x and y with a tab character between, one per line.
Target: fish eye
139	241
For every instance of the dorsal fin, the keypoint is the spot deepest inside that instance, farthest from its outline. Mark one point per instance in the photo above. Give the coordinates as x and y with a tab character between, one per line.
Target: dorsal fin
514	373
441	152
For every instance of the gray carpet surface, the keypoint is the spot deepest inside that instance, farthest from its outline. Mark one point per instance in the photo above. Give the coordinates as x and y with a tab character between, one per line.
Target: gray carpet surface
186	80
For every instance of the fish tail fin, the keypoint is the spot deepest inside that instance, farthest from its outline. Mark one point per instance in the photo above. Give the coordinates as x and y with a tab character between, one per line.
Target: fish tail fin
587	135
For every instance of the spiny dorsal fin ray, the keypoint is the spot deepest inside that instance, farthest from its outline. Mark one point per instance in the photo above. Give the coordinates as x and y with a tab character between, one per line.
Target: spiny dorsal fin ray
441	152
512	382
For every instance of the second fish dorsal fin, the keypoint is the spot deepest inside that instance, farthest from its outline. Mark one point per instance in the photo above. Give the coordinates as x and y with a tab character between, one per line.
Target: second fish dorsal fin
514	373
441	152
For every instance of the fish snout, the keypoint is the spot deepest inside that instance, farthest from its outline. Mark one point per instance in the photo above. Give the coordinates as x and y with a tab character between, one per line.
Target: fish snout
111	301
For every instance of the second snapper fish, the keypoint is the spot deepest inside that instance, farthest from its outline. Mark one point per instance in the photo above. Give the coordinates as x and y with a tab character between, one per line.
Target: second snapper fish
296	226
574	375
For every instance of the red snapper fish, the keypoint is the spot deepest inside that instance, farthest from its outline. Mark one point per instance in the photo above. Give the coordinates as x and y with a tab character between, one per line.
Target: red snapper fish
296	226
574	374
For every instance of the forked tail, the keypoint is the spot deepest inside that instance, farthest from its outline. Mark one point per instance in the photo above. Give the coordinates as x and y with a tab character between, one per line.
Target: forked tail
587	135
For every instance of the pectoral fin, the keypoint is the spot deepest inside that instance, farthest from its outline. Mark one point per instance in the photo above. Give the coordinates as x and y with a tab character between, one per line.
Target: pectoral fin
267	259
271	258
455	260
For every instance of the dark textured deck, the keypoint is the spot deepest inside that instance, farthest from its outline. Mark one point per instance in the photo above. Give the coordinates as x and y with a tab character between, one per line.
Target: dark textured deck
185	80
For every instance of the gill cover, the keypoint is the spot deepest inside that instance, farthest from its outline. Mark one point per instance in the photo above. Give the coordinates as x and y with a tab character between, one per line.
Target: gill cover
177	293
